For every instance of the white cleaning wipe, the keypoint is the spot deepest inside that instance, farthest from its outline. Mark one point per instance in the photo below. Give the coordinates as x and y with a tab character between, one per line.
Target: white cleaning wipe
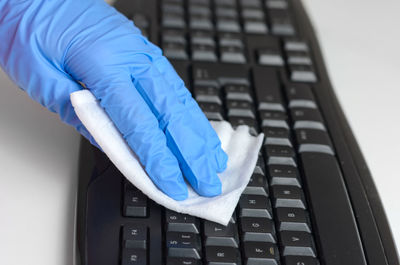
241	148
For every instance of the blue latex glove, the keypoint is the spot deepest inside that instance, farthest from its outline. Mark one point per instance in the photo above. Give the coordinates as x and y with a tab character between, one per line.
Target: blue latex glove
49	45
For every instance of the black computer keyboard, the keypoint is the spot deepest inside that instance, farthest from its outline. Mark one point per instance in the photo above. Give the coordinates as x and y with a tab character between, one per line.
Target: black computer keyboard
310	200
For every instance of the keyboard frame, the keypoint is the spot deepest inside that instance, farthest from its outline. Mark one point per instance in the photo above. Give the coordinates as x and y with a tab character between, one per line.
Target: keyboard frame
373	226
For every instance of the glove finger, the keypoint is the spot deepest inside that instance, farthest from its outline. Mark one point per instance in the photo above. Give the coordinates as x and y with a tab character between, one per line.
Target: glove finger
172	78
139	127
186	137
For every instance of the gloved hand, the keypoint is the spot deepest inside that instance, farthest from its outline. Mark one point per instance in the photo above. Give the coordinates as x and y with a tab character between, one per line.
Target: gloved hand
49	45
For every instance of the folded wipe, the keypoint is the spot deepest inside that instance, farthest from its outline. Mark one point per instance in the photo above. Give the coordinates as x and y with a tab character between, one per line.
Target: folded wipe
241	147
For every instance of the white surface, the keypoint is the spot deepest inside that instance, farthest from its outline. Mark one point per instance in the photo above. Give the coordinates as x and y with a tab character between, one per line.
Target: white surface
360	41
38	154
241	148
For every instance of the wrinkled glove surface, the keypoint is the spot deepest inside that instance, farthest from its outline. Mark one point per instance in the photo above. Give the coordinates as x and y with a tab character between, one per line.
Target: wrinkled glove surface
47	46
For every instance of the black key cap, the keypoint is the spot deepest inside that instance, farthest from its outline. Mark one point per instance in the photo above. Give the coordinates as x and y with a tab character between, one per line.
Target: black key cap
252	13
296	45
255	26
311	140
306	114
232	54
298	58
271	57
288	196
238	92
174	50
236	121
210	107
281	24
134	236
302	73
292	219
209	94
222	255
183	261
269	96
239	104
277	4
257	229
276	132
279	151
283	175
295	243
331	210
219	74
260	253
220	235
135	203
255	206
228	25
185	245
177	222
299	92
272	115
201	52
300	260
134	257
257	185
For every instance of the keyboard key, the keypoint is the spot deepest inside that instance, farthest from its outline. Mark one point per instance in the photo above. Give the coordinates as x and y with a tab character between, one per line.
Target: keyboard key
269	97
257	185
211	108
185	245
255	206
283	175
257	229
295	45
183	261
272	115
174	50
277	4
298	58
281	24
305	114
173	21
251	3
216	255
288	196
302	73
279	151
252	13
232	55
295	243
207	94
135	203
224	12
134	236
276	132
237	121
260	253
255	27
200	23
134	257
238	92
177	222
312	136
220	235
228	25
270	57
300	260
292	219
203	53
331	208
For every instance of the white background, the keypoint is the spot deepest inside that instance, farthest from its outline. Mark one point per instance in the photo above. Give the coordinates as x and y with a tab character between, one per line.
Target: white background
38	154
